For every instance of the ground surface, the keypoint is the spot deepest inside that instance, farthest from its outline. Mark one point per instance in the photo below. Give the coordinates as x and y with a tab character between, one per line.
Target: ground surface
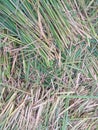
48	64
